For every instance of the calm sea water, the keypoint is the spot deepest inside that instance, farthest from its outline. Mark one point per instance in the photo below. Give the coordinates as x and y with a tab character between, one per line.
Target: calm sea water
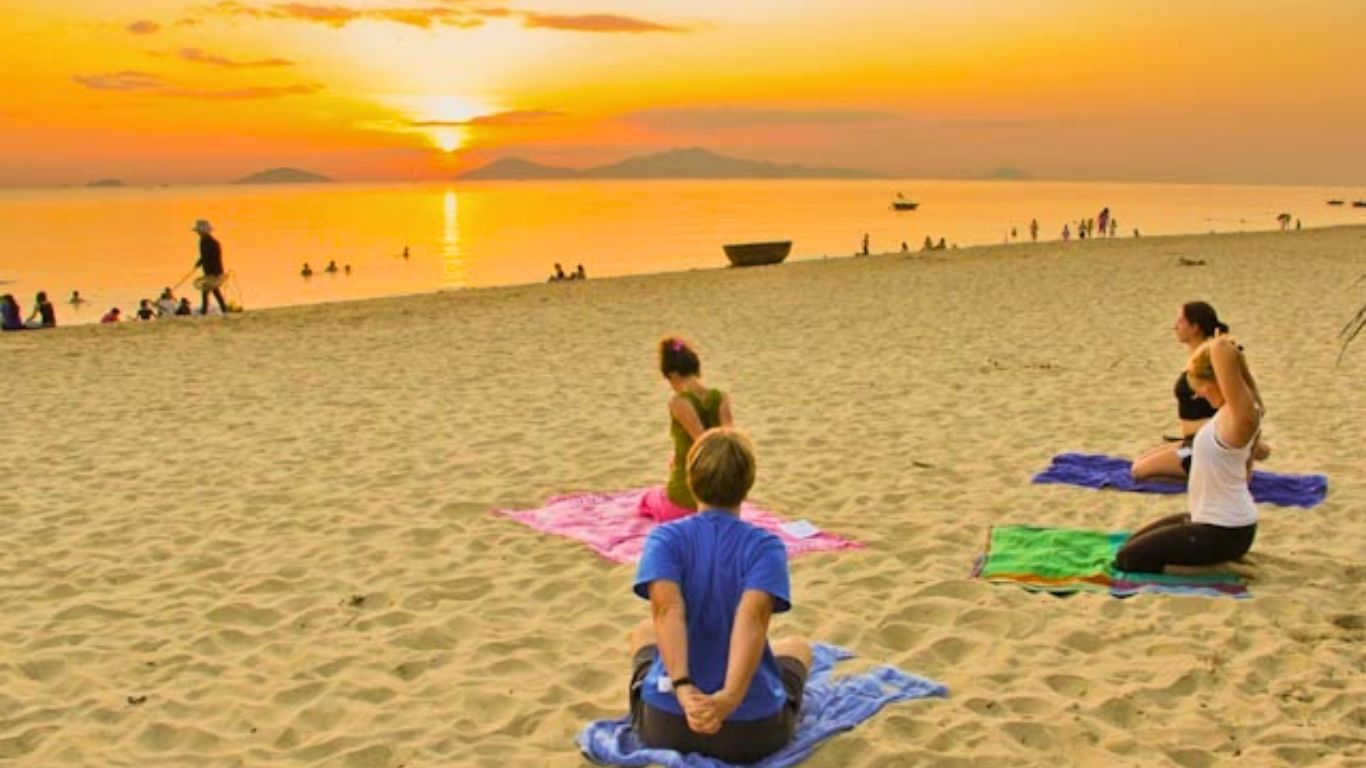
119	245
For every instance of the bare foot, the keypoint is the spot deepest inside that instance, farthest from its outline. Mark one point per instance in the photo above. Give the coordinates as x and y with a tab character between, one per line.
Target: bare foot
1242	567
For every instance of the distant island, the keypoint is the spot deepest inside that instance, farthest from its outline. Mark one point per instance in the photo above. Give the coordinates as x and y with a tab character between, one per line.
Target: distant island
1005	173
100	183
694	163
283	176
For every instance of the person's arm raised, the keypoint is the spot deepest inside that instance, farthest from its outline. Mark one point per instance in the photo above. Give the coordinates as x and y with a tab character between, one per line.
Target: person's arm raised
748	638
1240	400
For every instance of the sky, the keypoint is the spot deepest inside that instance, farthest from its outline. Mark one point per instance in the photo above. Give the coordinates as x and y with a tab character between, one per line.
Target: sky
179	91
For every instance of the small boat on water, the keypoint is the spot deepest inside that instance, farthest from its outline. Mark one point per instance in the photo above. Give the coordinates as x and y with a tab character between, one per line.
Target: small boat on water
1359	203
902	204
757	254
1335	202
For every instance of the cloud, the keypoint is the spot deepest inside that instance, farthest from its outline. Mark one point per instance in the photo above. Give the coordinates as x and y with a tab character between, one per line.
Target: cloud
143	27
720	118
497	119
129	81
594	22
338	16
126	81
467	14
203	57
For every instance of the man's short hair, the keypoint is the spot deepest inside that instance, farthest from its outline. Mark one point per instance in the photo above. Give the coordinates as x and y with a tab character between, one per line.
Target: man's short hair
721	467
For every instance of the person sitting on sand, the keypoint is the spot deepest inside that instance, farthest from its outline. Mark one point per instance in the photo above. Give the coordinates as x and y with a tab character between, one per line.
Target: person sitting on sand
692	410
558	274
1222	518
579	273
112	316
941	245
44	315
704	676
928	245
11	317
166	303
1196	323
185	307
145	311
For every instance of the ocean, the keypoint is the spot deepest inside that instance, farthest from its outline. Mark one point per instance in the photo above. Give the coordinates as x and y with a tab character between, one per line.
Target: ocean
119	245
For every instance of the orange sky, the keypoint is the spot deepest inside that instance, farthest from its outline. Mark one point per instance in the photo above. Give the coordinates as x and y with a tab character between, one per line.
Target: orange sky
173	91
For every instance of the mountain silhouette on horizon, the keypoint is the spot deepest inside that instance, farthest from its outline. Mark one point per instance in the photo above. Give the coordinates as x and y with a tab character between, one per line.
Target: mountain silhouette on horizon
691	163
283	176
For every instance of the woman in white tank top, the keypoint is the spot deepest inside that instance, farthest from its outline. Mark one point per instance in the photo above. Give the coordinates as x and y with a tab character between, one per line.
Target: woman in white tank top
1222	520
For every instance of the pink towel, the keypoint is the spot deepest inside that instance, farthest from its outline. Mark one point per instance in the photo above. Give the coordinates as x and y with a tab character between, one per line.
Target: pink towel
610	525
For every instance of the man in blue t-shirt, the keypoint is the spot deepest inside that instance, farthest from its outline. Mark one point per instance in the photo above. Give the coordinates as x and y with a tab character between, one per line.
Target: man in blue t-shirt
704	677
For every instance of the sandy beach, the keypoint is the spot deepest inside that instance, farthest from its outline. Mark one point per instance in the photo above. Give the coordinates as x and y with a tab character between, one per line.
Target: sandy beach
266	540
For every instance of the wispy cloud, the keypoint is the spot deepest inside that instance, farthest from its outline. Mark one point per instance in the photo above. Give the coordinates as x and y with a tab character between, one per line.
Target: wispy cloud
497	119
720	118
338	16
203	57
143	27
129	81
452	13
595	22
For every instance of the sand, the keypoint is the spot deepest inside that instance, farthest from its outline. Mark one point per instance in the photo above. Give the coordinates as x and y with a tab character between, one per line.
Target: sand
265	539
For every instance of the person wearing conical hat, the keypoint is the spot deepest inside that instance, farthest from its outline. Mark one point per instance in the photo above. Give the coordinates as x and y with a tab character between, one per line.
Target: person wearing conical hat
211	261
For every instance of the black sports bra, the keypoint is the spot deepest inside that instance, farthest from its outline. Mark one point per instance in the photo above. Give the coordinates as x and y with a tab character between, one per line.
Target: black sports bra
1190	406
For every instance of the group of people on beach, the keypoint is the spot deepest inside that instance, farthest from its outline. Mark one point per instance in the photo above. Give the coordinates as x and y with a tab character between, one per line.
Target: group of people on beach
1108	225
209	283
44	315
704	676
559	275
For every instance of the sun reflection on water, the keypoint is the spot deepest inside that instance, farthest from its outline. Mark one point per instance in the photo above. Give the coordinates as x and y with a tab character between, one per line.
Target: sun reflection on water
452	261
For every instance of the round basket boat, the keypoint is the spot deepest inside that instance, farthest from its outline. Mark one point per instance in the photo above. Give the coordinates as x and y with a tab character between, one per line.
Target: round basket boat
757	254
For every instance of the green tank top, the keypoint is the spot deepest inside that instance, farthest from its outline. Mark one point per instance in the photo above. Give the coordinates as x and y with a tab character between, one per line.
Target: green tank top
708	409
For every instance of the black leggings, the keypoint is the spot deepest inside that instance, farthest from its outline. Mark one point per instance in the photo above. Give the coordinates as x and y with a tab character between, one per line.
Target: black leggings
1175	540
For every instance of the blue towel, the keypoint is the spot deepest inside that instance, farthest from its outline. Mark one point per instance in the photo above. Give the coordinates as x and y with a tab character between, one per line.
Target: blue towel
1096	471
828	707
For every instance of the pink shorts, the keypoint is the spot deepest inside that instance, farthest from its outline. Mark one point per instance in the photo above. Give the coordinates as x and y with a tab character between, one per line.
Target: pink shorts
655	504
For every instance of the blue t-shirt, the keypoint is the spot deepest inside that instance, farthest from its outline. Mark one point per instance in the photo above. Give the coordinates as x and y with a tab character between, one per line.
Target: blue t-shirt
714	557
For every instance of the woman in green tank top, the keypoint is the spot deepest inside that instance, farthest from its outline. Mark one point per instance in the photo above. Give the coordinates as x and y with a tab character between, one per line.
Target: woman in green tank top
692	410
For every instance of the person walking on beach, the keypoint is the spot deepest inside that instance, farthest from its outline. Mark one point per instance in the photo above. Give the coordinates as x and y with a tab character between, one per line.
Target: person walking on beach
1221	521
693	409
1034	230
211	261
704	676
1066	233
865	243
1103	221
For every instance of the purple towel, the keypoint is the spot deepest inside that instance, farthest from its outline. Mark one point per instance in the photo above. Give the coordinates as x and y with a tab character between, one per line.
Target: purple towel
1096	471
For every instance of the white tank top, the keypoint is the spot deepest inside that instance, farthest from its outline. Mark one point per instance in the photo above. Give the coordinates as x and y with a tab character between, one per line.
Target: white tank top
1218	482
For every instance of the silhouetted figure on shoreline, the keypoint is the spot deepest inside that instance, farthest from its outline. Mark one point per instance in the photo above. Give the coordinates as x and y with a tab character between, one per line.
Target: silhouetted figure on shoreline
211	261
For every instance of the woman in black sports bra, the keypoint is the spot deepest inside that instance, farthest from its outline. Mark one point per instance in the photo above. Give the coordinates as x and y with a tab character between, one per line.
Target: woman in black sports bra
1195	323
